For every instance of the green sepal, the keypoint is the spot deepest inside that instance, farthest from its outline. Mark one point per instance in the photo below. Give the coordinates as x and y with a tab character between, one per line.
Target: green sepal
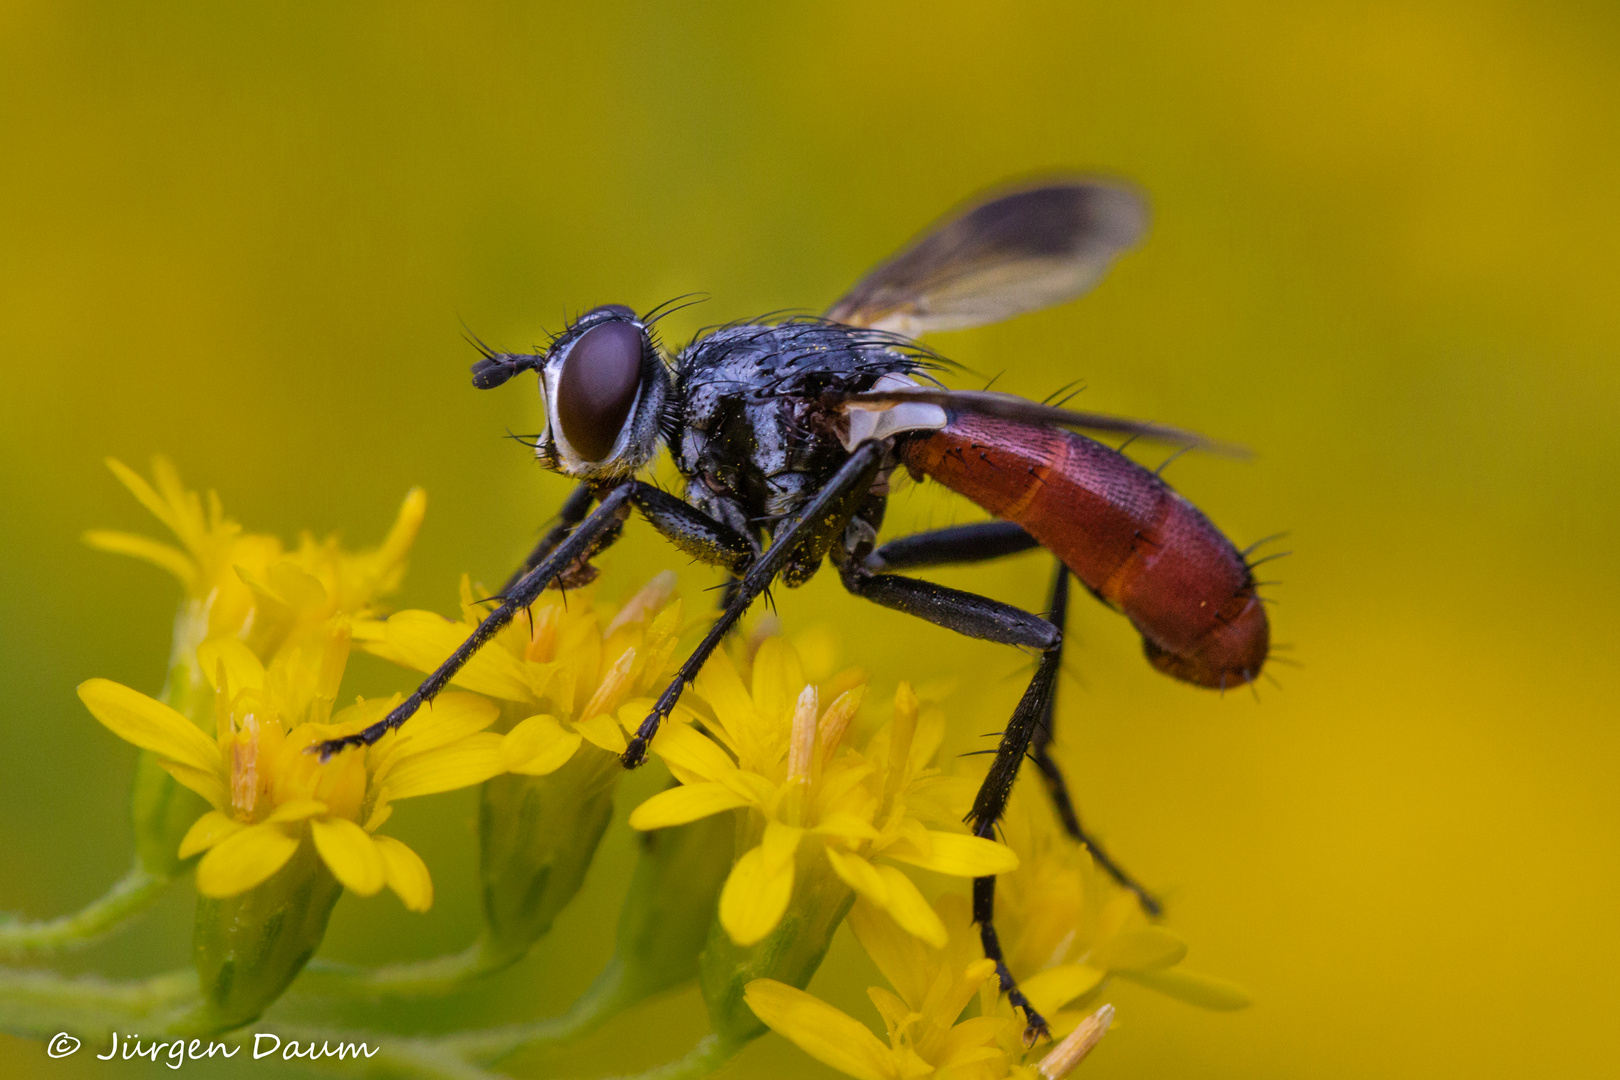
791	953
537	837
249	947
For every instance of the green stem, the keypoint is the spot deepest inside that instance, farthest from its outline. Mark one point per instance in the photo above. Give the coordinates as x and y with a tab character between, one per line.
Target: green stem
434	977
38	1004
129	896
703	1059
608	996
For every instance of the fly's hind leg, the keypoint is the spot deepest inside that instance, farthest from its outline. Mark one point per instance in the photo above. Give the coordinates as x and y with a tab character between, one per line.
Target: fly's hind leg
991	620
1040	752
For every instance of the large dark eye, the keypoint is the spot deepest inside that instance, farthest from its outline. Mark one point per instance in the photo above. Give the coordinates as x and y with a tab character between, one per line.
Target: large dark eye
597	387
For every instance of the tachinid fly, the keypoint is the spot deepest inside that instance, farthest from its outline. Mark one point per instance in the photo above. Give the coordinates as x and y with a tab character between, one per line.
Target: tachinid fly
788	434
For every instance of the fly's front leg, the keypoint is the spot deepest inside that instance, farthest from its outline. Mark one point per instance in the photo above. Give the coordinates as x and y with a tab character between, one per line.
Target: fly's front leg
572	513
1040	752
598	529
991	620
834	500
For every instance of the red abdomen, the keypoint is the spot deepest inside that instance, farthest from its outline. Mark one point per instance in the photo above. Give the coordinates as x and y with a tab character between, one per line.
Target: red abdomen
1123	531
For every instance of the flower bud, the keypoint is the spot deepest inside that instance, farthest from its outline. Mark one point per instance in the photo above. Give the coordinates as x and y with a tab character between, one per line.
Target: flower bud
664	923
538	835
250	946
790	953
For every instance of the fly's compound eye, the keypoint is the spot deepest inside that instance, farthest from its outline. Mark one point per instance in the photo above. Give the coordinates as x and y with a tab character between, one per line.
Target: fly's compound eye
597	386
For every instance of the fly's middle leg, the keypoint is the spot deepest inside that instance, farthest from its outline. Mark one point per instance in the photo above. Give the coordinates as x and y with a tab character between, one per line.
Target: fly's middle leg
1040	752
991	620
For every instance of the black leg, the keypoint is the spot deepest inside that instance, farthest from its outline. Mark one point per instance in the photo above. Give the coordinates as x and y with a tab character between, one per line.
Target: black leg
836	500
691	530
595	532
1040	753
572	513
958	544
981	617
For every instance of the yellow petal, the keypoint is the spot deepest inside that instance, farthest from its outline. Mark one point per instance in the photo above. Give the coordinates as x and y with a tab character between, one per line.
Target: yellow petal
859	875
449	718
902	959
210	785
755	896
1054	988
147	496
244	859
683	747
407	873
826	1034
423	639
846	825
243	670
972	1040
679	805
537	746
603	731
958	855
297	810
207	831
164	556
149	724
908	908
1204	991
470	761
1138	950
350	854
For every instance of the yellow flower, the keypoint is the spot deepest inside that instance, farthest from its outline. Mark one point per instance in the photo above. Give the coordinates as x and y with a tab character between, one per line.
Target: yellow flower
922	1014
557	659
249	585
1066	928
269	795
772	750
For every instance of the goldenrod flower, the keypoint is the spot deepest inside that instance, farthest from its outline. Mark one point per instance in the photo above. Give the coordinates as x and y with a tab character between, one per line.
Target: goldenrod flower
931	989
269	794
773	750
922	1014
249	585
558	663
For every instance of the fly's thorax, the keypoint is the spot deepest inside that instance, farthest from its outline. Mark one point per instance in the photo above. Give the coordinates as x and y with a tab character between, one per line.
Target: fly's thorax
753	431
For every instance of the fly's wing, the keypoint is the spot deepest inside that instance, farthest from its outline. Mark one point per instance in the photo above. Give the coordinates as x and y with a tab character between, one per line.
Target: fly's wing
1018	252
1022	410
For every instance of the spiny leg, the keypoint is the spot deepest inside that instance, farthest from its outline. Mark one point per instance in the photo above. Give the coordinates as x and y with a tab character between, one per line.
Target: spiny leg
834	500
1040	751
981	617
572	513
978	543
598	529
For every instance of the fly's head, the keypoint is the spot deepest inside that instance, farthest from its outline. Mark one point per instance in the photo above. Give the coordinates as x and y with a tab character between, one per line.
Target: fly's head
604	386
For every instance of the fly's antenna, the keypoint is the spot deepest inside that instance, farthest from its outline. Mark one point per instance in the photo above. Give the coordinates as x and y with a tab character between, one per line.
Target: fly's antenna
495	368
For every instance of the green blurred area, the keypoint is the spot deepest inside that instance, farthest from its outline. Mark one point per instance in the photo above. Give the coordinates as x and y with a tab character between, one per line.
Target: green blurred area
1382	256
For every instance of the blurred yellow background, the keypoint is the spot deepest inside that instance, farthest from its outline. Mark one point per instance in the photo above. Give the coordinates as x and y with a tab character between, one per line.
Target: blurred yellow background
1382	256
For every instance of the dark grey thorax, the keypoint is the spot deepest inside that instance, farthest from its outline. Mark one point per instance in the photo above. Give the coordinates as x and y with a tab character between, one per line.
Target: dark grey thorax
748	430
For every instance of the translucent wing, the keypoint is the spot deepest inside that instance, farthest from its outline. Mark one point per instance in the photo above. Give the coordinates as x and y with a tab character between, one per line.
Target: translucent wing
1022	410
1018	252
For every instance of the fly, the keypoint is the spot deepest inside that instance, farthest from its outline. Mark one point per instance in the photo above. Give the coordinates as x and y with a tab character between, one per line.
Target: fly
789	433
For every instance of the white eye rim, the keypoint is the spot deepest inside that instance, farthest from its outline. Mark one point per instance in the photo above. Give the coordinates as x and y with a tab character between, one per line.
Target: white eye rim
569	458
